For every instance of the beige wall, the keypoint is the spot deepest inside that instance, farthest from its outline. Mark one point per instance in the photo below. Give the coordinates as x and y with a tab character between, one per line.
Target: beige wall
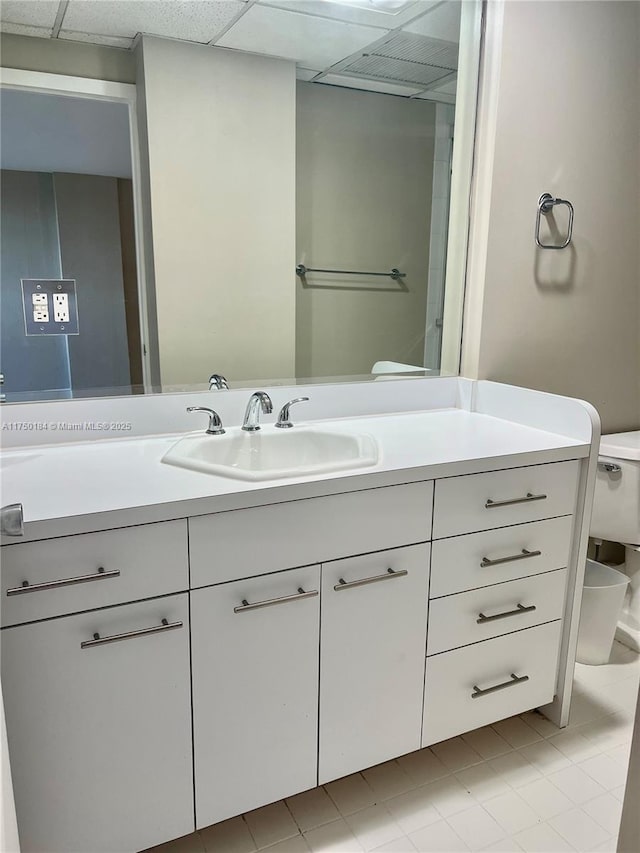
364	181
67	57
221	133
566	121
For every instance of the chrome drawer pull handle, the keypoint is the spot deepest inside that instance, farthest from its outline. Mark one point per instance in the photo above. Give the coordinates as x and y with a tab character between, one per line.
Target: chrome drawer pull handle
38	587
130	635
519	609
390	573
269	602
515	679
528	497
523	555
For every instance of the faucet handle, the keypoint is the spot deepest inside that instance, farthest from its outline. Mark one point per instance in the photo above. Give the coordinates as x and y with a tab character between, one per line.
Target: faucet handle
283	421
12	520
218	381
215	424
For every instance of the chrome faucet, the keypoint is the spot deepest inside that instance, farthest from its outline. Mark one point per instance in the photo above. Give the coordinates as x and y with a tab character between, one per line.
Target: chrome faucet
258	400
215	424
283	421
216	380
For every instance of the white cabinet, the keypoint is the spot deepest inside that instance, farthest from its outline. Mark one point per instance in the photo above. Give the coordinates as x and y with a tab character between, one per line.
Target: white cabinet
480	614
255	691
100	735
495	556
308	653
300	533
76	573
498	498
372	658
479	684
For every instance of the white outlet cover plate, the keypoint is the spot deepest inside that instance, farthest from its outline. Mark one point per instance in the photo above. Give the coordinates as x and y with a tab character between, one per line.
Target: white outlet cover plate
50	306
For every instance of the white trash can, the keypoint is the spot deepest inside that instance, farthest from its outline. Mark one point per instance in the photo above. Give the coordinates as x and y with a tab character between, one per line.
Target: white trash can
602	600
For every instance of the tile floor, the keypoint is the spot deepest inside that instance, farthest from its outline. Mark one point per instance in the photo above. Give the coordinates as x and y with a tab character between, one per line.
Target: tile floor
521	784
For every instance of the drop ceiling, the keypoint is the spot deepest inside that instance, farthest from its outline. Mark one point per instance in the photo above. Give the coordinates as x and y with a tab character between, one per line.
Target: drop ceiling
404	47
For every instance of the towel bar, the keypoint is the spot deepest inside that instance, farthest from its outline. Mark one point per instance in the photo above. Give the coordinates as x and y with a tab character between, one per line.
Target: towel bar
546	203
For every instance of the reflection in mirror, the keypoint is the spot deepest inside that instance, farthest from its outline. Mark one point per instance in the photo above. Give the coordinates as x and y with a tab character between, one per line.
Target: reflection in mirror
377	95
371	197
67	215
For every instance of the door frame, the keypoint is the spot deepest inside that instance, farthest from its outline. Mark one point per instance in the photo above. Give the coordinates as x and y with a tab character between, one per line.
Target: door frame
102	90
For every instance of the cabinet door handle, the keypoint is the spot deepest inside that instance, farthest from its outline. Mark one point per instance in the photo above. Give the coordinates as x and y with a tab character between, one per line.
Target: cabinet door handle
515	679
101	574
523	555
491	504
269	602
519	609
130	635
390	573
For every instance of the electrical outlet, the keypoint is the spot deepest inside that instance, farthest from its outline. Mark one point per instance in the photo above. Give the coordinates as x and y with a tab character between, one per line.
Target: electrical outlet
50	306
61	307
40	303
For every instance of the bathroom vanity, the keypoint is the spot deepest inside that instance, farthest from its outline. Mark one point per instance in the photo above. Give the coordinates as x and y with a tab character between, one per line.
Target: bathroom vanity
180	647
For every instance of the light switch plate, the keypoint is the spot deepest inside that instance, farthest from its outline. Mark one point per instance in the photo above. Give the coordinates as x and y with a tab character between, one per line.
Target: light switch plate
50	306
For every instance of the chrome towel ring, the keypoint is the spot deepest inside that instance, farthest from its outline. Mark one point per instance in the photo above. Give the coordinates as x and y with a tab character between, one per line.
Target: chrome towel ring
546	203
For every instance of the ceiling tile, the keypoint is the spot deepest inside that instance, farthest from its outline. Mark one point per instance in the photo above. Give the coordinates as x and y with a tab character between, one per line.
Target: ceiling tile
92	38
25	30
368	85
314	42
440	22
365	12
192	20
36	13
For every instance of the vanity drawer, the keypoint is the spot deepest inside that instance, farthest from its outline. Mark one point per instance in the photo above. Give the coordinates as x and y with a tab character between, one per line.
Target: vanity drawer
500	498
96	570
249	542
470	617
495	556
474	686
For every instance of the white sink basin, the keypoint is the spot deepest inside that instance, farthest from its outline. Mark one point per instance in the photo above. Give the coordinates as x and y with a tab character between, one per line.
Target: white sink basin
271	454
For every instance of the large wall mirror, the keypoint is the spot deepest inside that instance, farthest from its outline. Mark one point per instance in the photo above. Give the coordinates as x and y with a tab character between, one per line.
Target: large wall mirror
381	147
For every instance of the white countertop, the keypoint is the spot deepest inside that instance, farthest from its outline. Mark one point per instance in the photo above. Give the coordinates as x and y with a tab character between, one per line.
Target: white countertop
74	488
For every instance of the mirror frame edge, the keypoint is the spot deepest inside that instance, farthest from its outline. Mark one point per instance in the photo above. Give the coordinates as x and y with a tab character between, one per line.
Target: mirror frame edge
472	34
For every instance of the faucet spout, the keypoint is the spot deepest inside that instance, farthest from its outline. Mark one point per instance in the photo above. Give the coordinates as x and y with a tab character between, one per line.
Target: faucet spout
259	401
217	380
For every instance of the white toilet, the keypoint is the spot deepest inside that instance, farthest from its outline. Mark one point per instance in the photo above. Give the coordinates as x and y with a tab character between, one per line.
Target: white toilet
616	517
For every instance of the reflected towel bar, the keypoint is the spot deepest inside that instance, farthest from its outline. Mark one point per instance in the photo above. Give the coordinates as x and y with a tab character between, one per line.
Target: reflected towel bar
546	203
395	274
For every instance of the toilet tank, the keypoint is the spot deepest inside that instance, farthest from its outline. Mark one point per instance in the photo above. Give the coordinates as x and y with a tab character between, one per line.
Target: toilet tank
616	505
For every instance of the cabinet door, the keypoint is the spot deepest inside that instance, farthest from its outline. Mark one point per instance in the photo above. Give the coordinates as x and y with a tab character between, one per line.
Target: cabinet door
100	736
374	630
255	650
